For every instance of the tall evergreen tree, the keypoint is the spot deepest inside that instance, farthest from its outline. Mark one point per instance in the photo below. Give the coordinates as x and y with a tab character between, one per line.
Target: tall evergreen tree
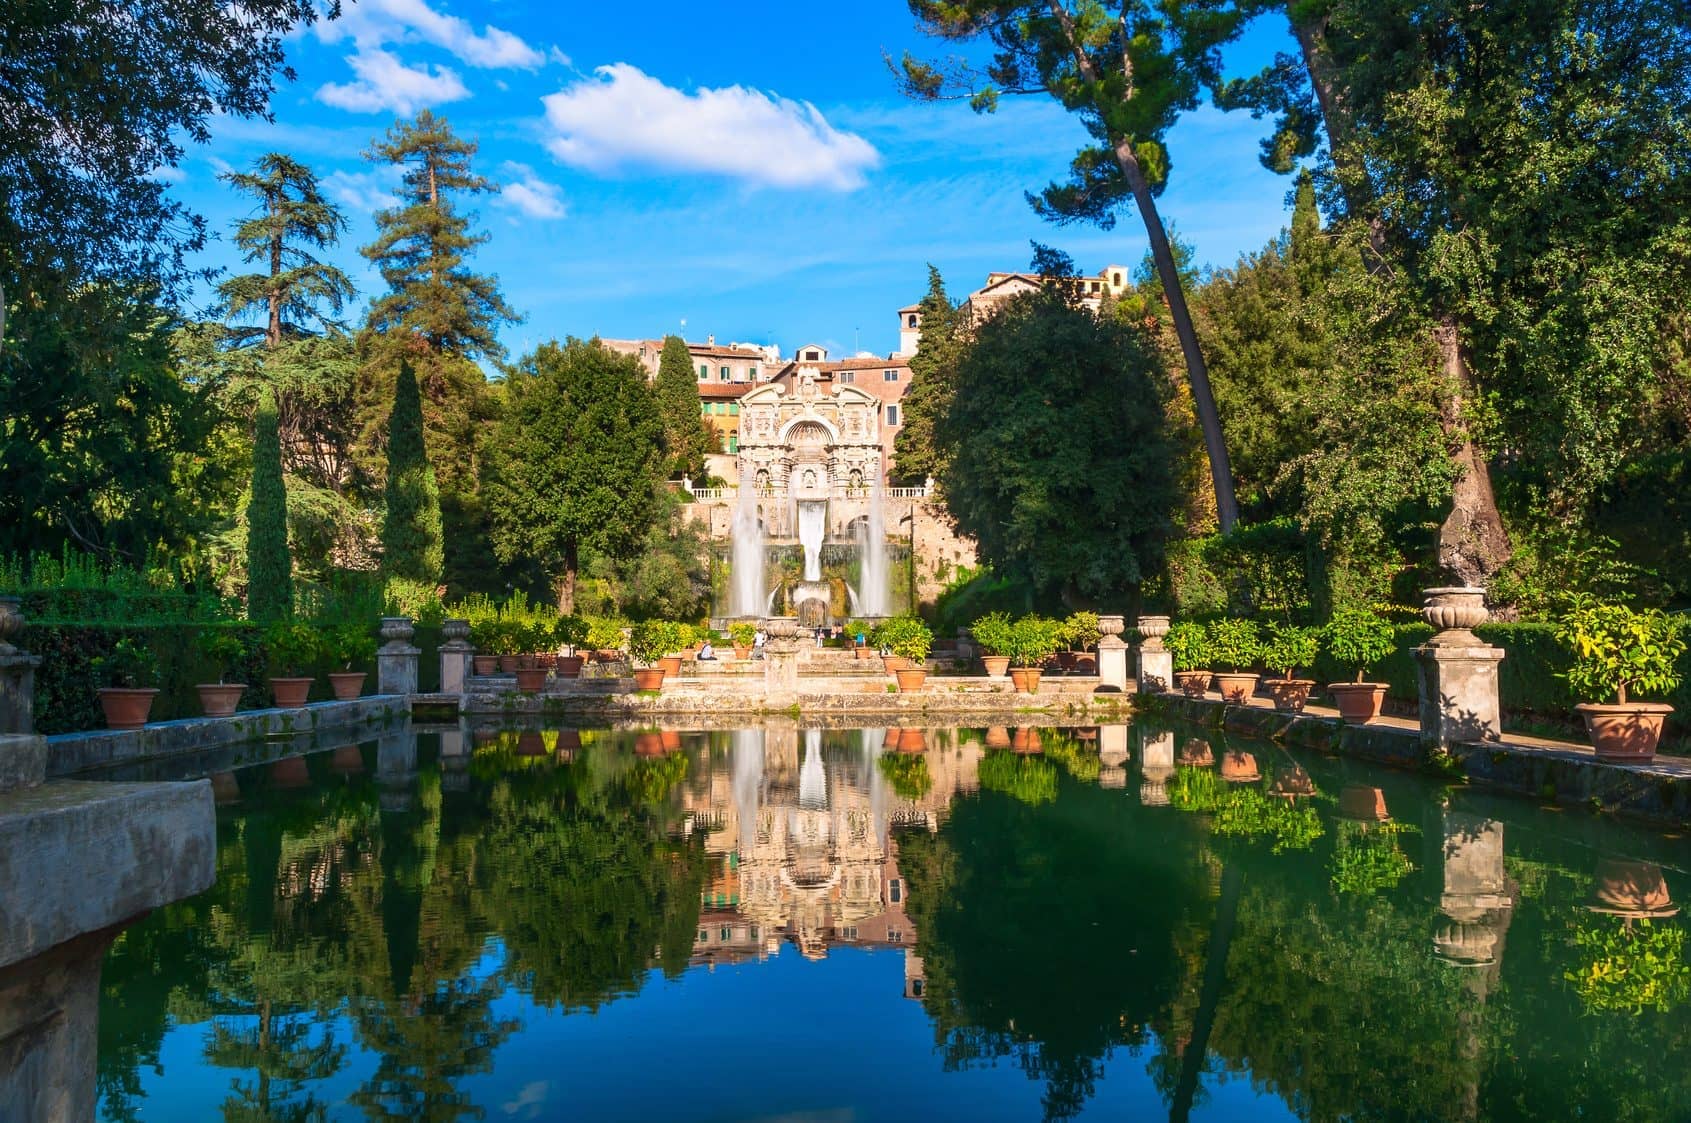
577	463
933	382
411	529
686	436
270	579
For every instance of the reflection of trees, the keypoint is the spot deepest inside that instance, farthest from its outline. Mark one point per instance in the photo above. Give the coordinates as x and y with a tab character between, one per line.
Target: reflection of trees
426	1044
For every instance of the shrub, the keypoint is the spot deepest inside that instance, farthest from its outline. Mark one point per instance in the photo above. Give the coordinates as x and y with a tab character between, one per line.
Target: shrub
1187	644
222	648
349	644
992	633
744	633
906	636
290	647
127	664
1289	648
649	641
1233	644
1618	649
1033	639
419	600
907	774
1358	638
604	633
1629	965
569	631
1080	631
1030	779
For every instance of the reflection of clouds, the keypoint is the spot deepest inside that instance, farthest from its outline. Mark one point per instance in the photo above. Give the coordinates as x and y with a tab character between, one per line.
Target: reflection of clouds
528	1100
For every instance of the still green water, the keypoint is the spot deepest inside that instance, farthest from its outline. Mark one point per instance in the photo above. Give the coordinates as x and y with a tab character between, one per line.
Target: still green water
872	924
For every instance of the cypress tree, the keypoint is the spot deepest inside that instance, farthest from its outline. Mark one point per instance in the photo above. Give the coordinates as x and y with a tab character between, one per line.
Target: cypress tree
412	546
686	436
270	581
933	380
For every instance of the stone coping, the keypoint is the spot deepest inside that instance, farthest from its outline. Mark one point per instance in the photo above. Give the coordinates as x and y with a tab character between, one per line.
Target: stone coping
72	753
1561	771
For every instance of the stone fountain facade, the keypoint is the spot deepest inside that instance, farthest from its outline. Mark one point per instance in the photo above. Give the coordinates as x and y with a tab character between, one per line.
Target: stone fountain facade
810	445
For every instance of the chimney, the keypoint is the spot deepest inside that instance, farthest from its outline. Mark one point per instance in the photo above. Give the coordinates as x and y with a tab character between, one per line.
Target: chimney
710	341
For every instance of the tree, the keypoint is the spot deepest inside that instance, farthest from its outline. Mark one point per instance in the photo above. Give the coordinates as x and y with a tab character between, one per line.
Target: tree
411	529
933	381
686	436
270	580
1127	78
578	459
1062	477
667	578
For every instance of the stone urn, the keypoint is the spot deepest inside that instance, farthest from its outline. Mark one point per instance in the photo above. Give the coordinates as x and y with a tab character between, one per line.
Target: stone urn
1151	630
1466	943
11	624
1455	611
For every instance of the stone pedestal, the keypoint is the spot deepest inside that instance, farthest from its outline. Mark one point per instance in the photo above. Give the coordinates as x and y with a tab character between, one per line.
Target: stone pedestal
1154	666
1458	688
455	656
781	661
1112	655
396	661
454	761
396	769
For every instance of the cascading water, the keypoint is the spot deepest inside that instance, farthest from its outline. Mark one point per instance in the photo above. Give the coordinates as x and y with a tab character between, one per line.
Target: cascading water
746	537
813	524
874	595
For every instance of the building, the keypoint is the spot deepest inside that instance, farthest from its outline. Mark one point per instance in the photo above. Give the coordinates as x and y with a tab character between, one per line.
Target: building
1109	282
885	380
748	363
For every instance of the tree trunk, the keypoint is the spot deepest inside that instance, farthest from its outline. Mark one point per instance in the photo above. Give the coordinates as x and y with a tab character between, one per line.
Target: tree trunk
566	584
1209	998
1473	546
1335	122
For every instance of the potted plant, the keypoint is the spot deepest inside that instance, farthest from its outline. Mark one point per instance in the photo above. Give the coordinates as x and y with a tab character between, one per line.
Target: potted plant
567	632
605	638
859	631
1078	635
1620	653
1288	648
290	647
346	646
1189	652
909	640
222	648
742	634
508	643
1233	646
129	672
1359	638
648	642
992	636
1032	641
484	637
676	638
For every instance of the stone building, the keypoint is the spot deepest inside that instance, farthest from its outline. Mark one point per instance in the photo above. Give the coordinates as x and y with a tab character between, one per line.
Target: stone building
804	440
748	363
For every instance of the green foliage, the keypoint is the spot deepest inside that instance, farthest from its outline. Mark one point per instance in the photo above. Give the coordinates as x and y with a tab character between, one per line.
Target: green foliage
651	640
743	633
686	436
668	576
1232	644
1243	811
1618	650
1063	480
905	636
128	664
604	633
1188	645
569	631
1629	966
1080	631
1290	648
270	582
1030	779
974	593
907	774
1256	569
1358	638
348	645
1034	639
417	600
992	633
412	545
1368	859
222	648
917	453
1078	759
291	646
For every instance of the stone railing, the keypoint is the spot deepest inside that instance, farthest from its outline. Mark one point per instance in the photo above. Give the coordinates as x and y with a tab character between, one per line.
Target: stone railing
707	494
906	493
720	494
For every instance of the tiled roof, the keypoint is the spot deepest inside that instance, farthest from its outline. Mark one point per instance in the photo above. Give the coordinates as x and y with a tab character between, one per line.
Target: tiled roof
726	390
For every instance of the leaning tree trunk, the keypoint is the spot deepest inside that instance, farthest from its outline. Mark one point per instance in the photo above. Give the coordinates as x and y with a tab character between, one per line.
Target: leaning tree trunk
566	583
1209	998
1473	545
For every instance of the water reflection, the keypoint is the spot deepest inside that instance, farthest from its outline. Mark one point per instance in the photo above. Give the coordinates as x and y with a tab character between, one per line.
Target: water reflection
1086	921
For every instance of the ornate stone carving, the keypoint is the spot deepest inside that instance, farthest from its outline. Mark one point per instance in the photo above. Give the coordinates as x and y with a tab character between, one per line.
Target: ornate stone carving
1151	631
397	629
1455	611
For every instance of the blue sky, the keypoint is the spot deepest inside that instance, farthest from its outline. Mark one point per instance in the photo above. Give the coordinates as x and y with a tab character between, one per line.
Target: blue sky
748	168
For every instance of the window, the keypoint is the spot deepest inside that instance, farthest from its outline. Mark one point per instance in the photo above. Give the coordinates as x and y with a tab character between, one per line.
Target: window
733	409
848	376
916	987
1116	278
751	374
849	933
889	376
725	374
910	320
704	372
892	415
704	408
703	935
895	890
894	936
733	444
726	934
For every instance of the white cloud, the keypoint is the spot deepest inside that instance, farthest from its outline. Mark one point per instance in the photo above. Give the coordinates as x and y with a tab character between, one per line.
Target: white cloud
528	193
555	54
363	192
384	82
623	116
376	23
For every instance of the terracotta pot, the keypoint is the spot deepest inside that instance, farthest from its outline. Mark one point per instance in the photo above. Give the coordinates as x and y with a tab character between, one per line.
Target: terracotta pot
531	743
1290	694
290	693
911	741
997	666
648	678
127	707
1293	781
1236	687
671	740
910	679
346	760
1358	801
1065	661
347	684
1631	888
1196	754
997	737
531	680
508	664
220	699
671	665
742	650
1239	767
1193	684
648	744
569	740
1026	679
1358	702
569	666
865	652
225	788
290	772
1623	733
894	663
606	656
485	664
1027	741
545	660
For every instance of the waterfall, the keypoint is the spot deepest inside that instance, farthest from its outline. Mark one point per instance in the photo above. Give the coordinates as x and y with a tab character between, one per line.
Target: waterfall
746	596
872	555
813	524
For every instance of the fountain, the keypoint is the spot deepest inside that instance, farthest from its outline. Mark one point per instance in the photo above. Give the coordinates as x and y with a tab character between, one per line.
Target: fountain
872	554
747	598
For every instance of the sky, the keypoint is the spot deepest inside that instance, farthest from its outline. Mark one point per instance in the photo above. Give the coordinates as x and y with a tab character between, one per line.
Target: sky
747	171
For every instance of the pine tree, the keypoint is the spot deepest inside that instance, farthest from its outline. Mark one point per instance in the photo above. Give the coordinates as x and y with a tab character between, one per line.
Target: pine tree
686	436
411	531
270	582
933	381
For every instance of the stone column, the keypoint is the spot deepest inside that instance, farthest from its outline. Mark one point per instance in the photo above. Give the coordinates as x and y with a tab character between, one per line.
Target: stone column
1456	671
1112	755
17	673
455	655
1156	665
966	649
1112	655
781	661
396	662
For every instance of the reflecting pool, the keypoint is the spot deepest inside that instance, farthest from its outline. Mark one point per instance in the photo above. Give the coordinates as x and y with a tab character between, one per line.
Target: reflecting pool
780	923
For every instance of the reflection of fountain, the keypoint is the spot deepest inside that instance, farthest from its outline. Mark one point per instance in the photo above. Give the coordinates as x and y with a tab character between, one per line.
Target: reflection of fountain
813	781
747	598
